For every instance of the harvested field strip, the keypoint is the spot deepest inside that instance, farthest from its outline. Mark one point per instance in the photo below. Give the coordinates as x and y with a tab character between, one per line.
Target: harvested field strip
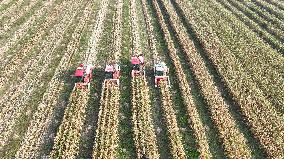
107	132
197	124
30	51
145	138
226	124
17	22
29	83
261	116
70	131
27	6
33	140
270	82
271	8
104	51
271	36
13	40
90	56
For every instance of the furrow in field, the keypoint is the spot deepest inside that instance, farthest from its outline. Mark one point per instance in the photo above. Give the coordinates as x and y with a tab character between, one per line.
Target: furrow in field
265	123
27	55
13	16
23	91
234	141
33	140
247	47
13	38
197	124
70	131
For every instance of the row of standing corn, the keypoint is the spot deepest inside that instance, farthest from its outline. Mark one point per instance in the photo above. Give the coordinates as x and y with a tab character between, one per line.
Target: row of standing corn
265	122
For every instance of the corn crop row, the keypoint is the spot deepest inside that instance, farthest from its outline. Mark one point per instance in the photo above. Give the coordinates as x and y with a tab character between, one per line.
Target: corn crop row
106	140
16	63
234	141
20	94
15	5
266	124
16	14
90	56
66	144
177	149
144	134
257	24
136	40
12	38
274	7
4	2
276	3
264	14
241	6
33	140
270	82
198	126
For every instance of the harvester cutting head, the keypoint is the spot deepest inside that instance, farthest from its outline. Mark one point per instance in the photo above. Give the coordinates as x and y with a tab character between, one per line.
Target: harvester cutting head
137	62
112	73
83	75
160	72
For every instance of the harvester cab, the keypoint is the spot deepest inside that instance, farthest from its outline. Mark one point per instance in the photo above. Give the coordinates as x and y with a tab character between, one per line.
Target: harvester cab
137	62
161	74
112	73
83	75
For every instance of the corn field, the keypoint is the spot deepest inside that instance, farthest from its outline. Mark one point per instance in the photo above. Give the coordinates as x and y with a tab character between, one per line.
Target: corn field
226	71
